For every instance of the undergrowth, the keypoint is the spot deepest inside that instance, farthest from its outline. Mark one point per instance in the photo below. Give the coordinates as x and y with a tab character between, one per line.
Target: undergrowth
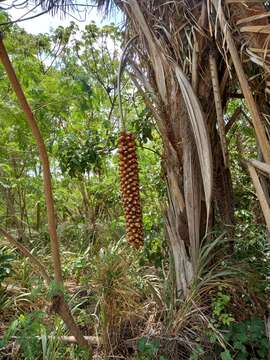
133	311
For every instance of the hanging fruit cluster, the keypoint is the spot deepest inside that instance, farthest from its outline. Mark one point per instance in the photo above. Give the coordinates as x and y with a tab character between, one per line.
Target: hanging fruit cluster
129	179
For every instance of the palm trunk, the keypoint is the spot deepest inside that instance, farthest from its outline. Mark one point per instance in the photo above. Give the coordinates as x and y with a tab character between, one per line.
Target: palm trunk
181	107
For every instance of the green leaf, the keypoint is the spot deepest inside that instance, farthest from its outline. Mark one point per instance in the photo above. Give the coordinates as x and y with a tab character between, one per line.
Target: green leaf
226	355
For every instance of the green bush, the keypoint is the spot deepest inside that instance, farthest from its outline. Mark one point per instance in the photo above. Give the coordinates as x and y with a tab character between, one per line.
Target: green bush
148	349
27	329
248	340
6	258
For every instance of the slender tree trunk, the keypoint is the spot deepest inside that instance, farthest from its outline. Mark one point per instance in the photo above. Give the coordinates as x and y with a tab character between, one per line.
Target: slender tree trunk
38	209
59	305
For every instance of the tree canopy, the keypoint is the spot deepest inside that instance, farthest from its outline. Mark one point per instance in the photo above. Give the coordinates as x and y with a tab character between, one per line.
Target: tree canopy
198	287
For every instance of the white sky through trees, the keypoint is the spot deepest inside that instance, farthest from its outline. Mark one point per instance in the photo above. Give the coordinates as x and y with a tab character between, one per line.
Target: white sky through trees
47	22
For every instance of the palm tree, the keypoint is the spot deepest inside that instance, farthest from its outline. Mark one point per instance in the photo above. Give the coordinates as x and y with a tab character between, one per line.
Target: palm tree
187	58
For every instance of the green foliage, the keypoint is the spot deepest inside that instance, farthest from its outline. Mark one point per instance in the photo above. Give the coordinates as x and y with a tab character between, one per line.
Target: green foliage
226	355
197	352
248	340
251	247
77	353
78	157
5	301
6	258
76	265
153	252
142	125
219	308
24	272
55	290
148	349
27	329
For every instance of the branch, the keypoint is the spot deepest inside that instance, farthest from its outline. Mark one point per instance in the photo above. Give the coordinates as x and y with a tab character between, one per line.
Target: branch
233	118
261	166
25	252
43	158
25	19
152	150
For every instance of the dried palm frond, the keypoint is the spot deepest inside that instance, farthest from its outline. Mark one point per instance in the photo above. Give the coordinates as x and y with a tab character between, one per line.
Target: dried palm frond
65	6
200	134
192	189
253	18
106	5
252	105
218	104
57	6
264	168
260	193
155	53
